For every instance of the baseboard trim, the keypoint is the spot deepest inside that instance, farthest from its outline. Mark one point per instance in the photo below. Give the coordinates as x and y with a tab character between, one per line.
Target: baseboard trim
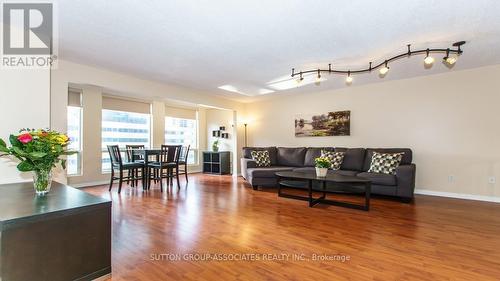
458	195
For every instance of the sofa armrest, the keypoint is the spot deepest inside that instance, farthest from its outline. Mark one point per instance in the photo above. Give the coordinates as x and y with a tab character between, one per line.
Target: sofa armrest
247	164
405	175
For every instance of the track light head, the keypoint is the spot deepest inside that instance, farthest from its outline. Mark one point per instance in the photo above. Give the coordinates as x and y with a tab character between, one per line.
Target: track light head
450	60
428	59
318	79
348	79
384	70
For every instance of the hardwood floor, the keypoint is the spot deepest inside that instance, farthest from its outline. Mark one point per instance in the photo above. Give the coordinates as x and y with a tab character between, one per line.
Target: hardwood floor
432	239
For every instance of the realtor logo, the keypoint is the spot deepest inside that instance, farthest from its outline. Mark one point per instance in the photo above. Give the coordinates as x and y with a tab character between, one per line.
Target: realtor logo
27	35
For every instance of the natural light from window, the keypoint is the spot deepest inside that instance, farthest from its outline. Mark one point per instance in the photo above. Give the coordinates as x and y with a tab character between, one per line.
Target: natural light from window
123	128
180	131
73	162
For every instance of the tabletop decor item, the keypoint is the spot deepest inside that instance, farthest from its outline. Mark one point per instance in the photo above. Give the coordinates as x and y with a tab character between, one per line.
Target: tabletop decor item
39	151
322	165
215	145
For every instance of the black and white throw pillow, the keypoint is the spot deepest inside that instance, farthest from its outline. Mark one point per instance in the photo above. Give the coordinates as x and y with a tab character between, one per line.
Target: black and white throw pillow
261	158
385	163
335	157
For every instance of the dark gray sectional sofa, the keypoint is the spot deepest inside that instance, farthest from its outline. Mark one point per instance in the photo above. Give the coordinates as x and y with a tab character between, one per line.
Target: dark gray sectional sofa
356	163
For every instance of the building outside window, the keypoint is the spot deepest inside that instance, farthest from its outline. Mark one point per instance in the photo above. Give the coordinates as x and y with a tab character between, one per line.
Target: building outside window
73	162
181	131
74	131
123	128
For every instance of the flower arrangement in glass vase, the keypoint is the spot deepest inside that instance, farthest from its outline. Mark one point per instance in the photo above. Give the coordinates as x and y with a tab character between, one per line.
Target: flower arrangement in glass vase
322	165
39	151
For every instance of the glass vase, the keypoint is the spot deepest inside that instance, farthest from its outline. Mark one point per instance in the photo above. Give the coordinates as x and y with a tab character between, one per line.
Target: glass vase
42	180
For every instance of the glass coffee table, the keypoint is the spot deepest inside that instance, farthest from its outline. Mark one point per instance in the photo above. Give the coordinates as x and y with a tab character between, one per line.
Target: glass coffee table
336	184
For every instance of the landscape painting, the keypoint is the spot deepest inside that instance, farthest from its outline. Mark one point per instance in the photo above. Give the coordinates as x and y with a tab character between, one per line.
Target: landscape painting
330	124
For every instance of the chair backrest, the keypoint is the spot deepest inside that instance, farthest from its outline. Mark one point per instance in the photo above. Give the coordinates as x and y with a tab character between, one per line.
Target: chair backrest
184	153
170	153
114	155
131	157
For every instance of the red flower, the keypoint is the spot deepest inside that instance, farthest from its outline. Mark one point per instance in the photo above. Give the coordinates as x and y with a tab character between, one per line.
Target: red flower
25	138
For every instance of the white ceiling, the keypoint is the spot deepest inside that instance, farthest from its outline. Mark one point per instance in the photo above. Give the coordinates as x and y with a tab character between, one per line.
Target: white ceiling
205	44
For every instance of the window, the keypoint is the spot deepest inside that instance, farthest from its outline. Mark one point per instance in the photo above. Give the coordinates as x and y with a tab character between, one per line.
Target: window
73	162
181	131
122	128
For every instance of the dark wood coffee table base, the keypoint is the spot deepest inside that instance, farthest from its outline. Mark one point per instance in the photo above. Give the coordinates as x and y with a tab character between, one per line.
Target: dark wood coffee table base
307	185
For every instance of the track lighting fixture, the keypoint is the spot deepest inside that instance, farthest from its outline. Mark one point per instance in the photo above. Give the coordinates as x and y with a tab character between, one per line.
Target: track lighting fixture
450	59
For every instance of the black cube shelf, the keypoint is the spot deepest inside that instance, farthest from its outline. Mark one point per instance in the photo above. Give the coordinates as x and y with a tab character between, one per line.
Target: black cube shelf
216	162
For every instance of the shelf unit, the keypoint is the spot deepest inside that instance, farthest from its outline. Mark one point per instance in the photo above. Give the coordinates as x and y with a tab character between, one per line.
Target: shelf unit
216	162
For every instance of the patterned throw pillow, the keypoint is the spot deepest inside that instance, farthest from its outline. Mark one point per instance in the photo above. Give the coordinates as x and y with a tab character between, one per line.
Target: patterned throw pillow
385	163
261	158
335	157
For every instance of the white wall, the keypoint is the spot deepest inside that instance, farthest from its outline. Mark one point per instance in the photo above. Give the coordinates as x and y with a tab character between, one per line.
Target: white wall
215	118
24	99
451	121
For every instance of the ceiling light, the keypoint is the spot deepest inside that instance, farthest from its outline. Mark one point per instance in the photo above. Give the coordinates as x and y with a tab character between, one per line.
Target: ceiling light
232	89
348	79
300	79
318	79
384	70
450	59
428	59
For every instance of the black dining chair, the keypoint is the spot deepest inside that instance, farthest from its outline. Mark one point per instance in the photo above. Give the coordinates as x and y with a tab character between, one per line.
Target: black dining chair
134	157
183	166
168	161
118	164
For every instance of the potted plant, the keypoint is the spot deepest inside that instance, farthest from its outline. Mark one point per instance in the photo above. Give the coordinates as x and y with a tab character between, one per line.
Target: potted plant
215	145
322	165
39	151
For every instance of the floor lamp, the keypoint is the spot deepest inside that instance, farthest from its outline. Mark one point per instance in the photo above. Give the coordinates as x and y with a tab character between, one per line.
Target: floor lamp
245	133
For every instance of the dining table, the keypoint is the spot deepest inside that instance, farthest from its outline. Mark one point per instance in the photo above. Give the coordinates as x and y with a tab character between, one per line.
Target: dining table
147	155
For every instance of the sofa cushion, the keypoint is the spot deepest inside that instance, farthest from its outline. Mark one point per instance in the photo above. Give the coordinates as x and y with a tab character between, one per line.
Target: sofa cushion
311	154
247	153
336	158
267	172
405	160
377	178
288	156
261	158
353	159
385	163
